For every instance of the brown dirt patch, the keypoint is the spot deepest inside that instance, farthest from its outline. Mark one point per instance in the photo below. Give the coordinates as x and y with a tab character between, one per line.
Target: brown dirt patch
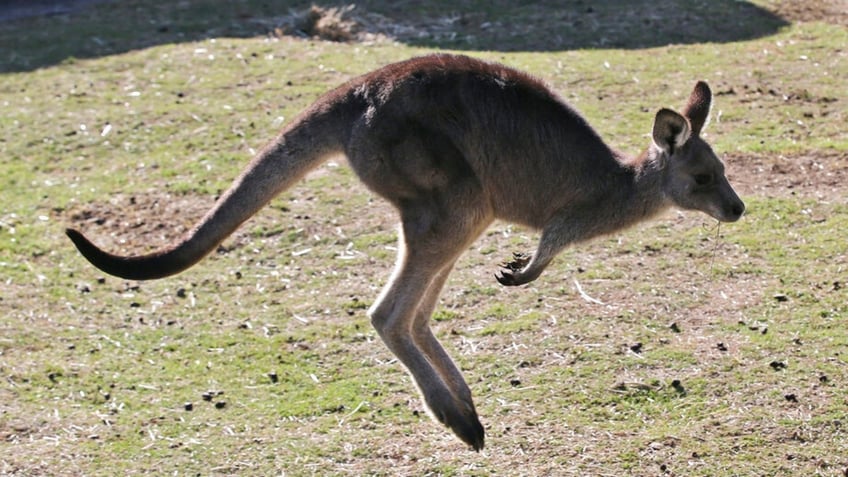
827	11
138	222
821	175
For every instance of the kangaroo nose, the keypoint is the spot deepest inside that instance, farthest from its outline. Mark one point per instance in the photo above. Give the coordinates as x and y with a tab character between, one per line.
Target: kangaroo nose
737	210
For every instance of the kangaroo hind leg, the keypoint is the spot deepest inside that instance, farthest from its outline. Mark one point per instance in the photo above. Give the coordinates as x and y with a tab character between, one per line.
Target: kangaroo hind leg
429	245
430	346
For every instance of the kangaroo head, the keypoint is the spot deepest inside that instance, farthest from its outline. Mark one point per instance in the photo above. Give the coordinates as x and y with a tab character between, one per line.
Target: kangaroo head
693	175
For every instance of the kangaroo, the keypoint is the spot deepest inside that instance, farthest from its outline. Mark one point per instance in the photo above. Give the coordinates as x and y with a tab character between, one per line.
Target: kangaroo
455	143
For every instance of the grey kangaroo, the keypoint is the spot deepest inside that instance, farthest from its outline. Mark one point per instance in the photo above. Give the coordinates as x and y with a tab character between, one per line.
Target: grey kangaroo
455	143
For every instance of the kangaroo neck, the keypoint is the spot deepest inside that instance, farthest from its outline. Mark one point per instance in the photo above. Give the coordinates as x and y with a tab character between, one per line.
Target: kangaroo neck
638	193
647	185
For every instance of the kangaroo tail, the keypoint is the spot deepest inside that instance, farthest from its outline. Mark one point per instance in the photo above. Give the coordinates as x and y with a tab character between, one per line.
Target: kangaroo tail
316	134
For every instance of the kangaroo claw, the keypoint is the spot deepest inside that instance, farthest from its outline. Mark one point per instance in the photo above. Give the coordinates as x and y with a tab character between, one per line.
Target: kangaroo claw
510	273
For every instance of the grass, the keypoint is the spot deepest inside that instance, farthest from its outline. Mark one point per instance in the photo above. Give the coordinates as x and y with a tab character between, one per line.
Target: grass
127	120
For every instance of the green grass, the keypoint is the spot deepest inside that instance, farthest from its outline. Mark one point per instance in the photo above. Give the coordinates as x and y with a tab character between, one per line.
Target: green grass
128	120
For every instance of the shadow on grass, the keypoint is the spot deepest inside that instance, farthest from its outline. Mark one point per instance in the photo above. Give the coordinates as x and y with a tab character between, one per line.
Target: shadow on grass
36	37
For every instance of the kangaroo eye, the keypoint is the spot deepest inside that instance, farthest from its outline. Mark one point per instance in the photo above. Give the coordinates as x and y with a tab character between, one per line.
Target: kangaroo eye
703	179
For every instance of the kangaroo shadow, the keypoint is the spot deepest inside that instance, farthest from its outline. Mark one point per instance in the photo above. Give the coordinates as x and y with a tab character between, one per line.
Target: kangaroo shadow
48	32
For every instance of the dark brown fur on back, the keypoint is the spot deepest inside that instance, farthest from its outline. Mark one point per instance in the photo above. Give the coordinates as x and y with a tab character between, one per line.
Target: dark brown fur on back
505	127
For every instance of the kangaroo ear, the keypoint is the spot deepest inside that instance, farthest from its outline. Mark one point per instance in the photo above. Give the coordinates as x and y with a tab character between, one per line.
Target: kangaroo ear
698	107
671	130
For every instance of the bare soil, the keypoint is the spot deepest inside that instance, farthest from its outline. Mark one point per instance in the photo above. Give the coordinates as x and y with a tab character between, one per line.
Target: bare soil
821	175
827	11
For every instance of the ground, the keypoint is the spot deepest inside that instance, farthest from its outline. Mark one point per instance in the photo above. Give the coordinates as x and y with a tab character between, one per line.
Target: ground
677	348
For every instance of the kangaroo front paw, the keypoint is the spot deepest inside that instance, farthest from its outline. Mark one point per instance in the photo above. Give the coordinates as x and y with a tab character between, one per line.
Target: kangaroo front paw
511	273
